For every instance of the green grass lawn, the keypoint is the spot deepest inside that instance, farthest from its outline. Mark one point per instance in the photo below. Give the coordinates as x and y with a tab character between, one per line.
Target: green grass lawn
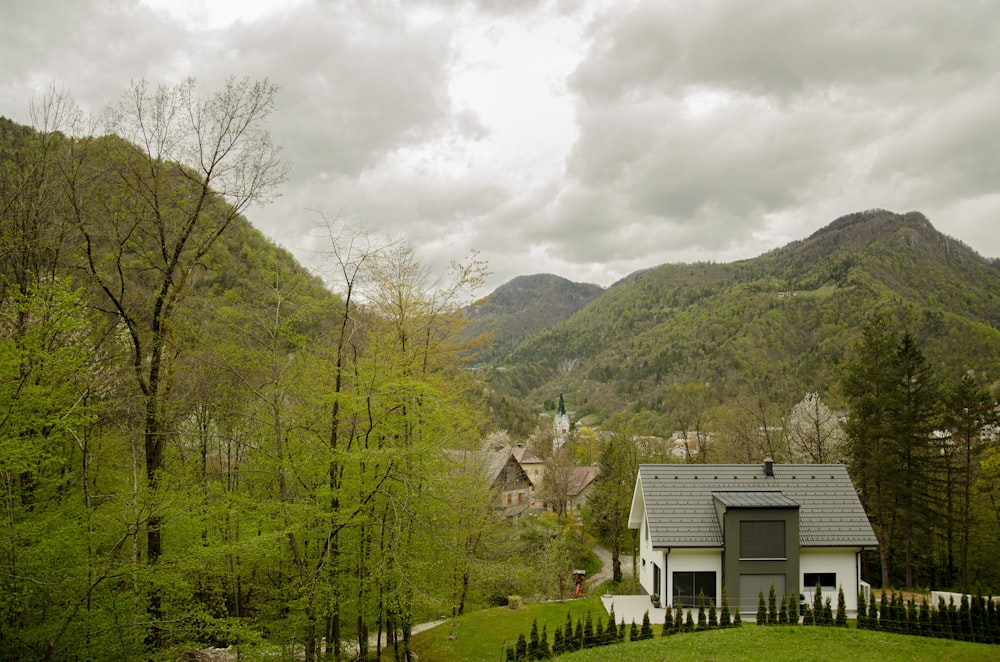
771	644
483	637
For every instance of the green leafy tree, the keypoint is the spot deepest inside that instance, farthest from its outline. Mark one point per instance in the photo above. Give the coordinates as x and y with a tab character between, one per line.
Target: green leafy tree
51	563
606	514
183	170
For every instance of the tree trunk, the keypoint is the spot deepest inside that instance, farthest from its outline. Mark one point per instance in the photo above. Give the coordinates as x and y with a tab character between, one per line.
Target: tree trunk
154	539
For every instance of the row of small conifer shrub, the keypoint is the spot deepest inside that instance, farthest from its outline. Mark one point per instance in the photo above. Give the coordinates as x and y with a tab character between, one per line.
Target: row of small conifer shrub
975	618
585	633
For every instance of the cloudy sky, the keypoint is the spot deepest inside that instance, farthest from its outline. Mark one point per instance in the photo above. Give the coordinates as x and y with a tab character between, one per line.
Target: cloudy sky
585	138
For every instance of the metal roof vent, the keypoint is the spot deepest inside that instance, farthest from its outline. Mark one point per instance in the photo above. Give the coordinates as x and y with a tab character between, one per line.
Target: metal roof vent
769	467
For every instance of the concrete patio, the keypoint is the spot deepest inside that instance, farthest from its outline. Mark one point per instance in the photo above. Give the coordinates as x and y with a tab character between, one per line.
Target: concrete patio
631	608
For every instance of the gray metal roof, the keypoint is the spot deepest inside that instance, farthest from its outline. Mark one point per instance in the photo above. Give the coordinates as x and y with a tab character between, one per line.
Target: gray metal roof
677	500
754	500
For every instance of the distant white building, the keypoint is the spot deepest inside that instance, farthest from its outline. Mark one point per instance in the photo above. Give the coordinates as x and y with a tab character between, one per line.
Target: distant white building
560	426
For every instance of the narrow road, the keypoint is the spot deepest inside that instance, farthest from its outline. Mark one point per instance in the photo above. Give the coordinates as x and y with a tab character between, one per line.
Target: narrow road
605	573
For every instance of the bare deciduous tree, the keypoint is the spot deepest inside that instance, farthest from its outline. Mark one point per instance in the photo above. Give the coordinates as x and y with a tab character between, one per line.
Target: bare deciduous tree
182	169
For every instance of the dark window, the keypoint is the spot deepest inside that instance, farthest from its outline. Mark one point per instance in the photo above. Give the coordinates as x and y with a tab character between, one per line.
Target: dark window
762	539
689	585
825	579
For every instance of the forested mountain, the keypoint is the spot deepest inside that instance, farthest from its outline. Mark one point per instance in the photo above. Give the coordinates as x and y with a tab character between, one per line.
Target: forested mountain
523	307
201	444
784	318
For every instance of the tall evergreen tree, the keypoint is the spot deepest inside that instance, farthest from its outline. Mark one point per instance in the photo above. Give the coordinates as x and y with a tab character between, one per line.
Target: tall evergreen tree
970	410
606	514
893	399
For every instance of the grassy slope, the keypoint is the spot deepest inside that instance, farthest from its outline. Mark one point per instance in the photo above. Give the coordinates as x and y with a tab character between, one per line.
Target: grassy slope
754	644
483	636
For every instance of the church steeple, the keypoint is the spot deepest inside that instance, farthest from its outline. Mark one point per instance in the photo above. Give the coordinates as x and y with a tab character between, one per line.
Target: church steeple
560	425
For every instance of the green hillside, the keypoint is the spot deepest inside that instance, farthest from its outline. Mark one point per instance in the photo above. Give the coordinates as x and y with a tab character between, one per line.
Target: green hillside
523	307
788	314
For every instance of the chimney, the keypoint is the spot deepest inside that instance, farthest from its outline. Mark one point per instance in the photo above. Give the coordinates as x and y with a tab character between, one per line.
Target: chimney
769	467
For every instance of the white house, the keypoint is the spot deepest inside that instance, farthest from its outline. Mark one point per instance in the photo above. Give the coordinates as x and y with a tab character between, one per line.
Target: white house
745	527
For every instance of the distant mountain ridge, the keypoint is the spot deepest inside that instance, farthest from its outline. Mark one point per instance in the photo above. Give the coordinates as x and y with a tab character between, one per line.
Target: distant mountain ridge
525	306
791	312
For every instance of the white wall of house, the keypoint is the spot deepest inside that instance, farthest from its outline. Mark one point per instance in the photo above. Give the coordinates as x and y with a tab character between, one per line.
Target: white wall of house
647	557
843	562
693	560
677	560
